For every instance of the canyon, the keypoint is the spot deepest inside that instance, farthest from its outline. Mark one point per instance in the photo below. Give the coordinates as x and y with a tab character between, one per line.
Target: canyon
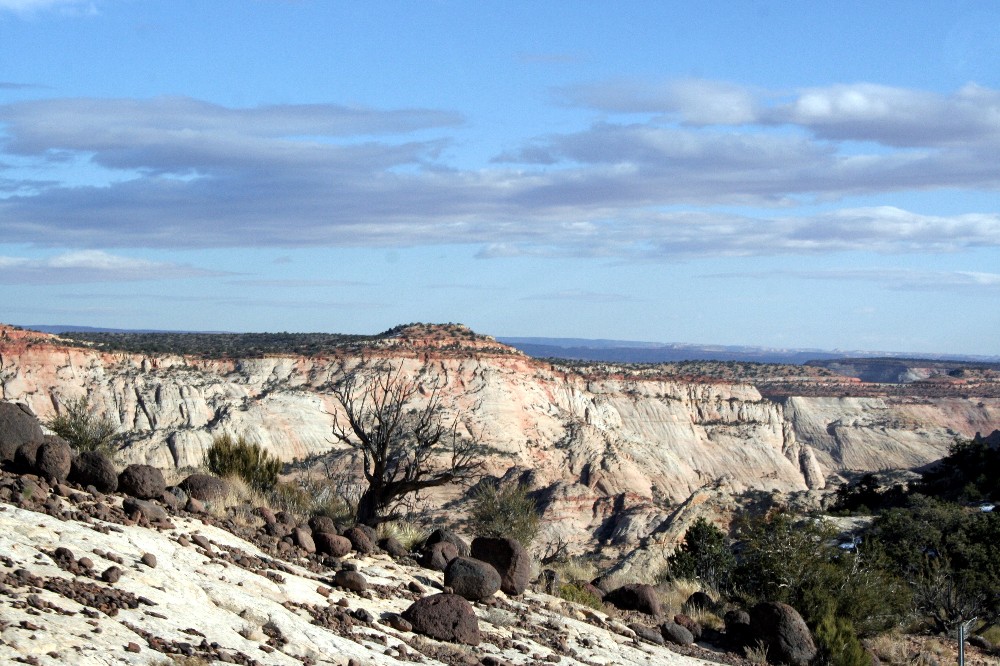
613	453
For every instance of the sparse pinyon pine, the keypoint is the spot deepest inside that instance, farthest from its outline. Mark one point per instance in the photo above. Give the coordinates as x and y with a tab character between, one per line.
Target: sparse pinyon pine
78	423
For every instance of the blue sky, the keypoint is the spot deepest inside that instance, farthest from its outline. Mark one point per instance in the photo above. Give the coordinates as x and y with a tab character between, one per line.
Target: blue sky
784	174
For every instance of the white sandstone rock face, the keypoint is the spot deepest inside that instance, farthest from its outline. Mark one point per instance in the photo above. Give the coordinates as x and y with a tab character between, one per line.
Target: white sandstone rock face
609	443
191	596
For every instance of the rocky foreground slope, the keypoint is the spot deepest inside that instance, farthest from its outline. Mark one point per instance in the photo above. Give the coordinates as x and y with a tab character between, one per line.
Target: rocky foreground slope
611	452
96	579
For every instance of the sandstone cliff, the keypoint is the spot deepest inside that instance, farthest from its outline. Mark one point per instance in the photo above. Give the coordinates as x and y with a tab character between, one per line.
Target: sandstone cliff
610	453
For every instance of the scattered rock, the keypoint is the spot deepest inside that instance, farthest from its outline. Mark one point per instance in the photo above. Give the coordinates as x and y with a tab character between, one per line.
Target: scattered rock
446	617
18	425
141	481
351	580
738	634
647	633
360	540
698	600
331	544
676	633
689	624
636	596
472	579
392	546
784	632
440	534
54	459
509	558
437	555
94	468
303	539
149	560
149	510
205	487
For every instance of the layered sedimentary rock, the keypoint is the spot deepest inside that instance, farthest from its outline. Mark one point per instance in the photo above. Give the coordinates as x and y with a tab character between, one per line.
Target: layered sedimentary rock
608	453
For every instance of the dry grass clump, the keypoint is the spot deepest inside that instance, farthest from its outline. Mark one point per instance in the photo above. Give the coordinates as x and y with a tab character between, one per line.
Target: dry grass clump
757	654
574	569
306	496
409	534
890	648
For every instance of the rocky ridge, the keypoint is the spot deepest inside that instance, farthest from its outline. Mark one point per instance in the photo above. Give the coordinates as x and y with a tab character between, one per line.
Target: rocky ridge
610	453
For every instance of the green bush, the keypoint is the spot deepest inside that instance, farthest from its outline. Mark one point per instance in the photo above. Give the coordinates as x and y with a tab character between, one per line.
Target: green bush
838	643
246	460
704	555
79	425
579	595
504	512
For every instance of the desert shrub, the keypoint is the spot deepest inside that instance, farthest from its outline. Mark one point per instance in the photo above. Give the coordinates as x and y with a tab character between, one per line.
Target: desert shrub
249	461
505	511
410	535
704	555
79	424
306	496
579	595
952	555
796	561
838	644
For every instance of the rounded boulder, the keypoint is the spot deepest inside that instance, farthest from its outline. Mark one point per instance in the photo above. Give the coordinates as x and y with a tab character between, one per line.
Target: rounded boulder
94	468
205	487
446	617
509	558
142	481
18	425
784	632
472	579
54	459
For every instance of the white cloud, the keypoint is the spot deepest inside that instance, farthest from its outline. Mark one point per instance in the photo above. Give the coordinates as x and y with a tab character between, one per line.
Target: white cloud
90	266
892	278
26	7
187	173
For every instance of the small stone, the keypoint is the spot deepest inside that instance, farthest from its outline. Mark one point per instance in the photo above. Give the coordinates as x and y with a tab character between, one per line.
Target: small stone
111	575
132	647
149	560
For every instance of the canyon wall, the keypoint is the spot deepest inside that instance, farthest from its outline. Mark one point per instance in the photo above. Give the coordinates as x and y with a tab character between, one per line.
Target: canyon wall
609	454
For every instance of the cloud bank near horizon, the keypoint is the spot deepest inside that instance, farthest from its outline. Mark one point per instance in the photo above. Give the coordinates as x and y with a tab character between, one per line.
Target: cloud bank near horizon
648	180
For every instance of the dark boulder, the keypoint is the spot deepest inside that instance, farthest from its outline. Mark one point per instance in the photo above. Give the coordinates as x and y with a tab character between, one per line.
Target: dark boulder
437	555
647	633
636	596
676	633
148	510
303	539
738	634
446	617
472	579
392	546
351	580
784	632
323	524
54	459
698	600
688	623
205	487
142	481
18	425
360	541
439	535
331	544
25	456
509	558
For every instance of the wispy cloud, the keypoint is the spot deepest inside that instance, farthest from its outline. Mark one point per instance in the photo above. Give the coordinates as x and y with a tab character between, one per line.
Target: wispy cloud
580	295
188	173
890	278
90	266
26	7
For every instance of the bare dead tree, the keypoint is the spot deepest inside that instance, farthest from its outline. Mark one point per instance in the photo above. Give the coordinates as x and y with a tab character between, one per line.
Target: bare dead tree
406	444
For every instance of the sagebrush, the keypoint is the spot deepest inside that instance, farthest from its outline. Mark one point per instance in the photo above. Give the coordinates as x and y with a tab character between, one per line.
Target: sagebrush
247	460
